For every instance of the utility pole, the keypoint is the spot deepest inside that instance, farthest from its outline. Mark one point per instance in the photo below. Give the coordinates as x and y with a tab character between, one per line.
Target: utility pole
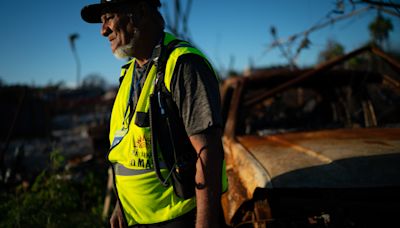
72	39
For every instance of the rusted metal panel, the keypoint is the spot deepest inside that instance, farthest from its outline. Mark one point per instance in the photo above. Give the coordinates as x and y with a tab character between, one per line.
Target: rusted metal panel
301	161
245	174
334	159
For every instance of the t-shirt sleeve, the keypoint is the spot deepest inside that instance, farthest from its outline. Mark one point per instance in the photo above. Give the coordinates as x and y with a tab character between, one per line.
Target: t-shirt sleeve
195	90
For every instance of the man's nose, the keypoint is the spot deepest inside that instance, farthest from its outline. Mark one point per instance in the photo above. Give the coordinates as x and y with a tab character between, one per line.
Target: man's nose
105	29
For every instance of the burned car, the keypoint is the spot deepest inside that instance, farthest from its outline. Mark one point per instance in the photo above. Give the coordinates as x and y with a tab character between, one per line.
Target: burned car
313	148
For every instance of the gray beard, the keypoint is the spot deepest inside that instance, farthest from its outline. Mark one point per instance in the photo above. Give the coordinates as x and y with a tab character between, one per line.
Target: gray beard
125	51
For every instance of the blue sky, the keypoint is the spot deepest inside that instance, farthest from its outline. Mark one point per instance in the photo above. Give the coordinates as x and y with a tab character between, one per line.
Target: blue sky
35	48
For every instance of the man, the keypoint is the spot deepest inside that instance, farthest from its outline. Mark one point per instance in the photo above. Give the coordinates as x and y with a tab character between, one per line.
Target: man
135	30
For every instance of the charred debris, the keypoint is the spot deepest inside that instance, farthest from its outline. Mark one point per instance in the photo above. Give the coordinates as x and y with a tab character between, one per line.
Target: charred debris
36	122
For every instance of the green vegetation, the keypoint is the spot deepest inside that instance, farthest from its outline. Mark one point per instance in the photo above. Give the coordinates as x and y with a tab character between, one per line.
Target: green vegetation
332	50
379	29
54	200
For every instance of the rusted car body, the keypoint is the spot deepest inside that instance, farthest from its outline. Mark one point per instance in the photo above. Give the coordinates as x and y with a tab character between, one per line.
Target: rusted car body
313	148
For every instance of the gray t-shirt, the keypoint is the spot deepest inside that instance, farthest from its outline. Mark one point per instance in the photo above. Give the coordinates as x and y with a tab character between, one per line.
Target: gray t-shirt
194	89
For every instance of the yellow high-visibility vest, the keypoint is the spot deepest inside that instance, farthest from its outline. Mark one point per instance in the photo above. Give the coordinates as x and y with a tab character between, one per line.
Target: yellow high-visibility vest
144	199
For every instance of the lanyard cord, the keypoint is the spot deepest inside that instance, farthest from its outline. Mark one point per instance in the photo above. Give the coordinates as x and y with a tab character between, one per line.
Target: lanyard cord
125	121
135	86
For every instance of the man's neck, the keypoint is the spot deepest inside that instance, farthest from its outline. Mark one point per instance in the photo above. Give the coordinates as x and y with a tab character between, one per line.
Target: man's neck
142	60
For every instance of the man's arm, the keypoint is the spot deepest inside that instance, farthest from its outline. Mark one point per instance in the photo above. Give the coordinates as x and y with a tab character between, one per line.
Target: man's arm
209	150
117	218
195	91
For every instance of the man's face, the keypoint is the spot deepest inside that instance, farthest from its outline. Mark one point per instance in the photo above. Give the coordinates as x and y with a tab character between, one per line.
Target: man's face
120	31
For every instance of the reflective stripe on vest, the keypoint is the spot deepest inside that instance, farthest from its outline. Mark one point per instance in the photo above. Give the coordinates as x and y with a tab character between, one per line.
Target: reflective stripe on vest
121	170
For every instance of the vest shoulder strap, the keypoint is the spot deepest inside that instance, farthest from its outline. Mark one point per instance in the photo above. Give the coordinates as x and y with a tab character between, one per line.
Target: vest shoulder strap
162	62
169	132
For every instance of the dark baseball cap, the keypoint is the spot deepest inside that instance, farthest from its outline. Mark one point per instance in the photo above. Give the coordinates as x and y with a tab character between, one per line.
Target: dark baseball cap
92	13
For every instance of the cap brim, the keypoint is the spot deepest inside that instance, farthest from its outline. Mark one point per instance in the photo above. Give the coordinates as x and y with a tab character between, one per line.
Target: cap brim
92	13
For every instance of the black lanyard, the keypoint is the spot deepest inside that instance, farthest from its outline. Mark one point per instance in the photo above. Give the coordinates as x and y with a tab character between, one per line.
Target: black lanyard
135	85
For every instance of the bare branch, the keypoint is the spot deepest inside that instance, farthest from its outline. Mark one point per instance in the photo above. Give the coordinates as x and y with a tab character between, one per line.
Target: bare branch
285	52
396	14
177	14
317	27
178	22
382	3
186	17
